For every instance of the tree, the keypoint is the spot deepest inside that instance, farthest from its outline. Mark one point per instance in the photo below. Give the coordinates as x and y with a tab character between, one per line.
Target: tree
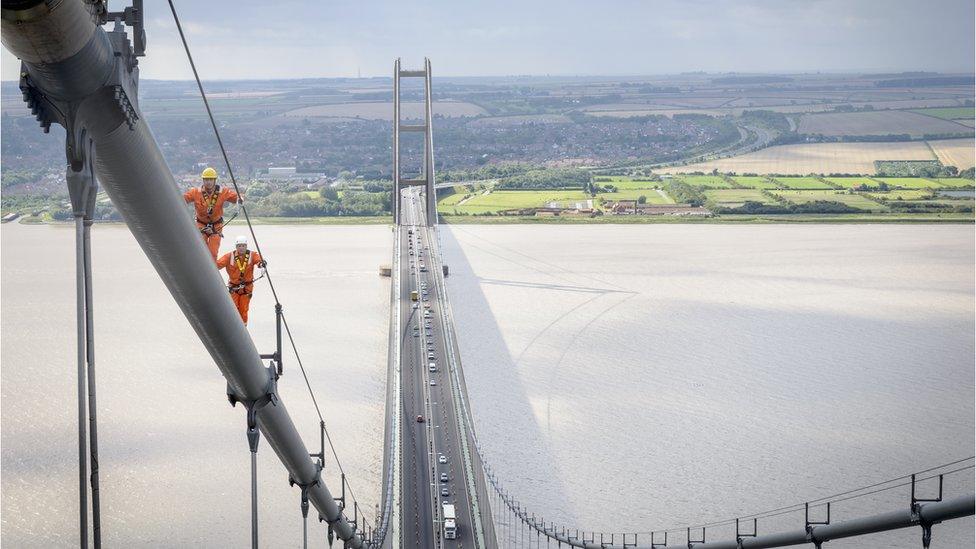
329	193
642	199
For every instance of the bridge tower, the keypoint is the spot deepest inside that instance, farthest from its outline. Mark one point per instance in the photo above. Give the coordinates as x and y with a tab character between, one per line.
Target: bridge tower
426	178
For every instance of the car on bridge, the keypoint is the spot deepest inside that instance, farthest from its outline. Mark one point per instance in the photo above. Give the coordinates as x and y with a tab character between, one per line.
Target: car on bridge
445	492
420	419
442	459
432	367
444	477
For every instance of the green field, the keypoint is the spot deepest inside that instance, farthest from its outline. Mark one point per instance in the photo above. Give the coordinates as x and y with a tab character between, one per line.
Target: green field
851	182
653	197
705	181
624	183
508	200
853	200
910	182
735	197
452	199
754	182
955	182
801	183
901	195
949	113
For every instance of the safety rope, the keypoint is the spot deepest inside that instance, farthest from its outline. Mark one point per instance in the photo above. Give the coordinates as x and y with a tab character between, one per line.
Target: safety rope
243	209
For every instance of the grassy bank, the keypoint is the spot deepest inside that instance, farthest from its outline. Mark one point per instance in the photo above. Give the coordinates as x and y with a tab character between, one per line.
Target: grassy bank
723	219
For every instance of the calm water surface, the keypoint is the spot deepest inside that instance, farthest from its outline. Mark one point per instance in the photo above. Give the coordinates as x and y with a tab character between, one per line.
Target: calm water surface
621	377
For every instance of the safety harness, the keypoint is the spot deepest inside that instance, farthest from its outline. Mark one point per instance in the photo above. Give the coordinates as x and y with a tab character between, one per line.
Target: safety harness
241	287
211	199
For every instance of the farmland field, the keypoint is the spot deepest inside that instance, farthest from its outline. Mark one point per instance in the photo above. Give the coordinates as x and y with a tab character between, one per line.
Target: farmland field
801	183
652	196
954	152
950	113
507	200
754	182
900	195
877	123
736	197
852	182
706	181
377	110
827	158
623	183
910	182
853	200
955	182
451	200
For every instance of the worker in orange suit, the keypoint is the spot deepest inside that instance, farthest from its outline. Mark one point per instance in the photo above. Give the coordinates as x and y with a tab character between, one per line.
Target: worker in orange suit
208	201
240	274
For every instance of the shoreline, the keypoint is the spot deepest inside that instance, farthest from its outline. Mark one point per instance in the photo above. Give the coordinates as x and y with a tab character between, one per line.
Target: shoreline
767	219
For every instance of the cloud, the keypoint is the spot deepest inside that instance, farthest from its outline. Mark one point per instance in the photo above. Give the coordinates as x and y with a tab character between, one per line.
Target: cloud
339	38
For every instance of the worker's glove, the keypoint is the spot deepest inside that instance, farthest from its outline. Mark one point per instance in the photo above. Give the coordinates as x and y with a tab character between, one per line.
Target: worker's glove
208	230
263	264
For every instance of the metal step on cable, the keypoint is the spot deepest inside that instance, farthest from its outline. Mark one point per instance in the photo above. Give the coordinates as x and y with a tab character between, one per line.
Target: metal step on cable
413	74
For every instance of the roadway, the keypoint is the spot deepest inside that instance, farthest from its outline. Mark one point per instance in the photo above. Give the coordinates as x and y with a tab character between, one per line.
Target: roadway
432	394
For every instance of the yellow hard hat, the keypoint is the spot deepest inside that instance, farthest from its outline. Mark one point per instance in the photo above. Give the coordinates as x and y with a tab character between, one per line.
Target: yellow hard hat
209	173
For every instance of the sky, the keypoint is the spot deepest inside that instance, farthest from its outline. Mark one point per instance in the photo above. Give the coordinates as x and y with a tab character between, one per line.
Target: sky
238	39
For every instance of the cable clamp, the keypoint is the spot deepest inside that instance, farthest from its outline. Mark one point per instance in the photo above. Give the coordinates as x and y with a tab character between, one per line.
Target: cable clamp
270	396
305	487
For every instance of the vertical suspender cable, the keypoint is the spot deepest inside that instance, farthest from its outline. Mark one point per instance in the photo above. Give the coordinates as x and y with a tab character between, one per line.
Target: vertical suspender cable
90	355
254	500
82	389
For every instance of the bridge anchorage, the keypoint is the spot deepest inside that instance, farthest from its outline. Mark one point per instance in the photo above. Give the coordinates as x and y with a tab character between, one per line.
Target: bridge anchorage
425	180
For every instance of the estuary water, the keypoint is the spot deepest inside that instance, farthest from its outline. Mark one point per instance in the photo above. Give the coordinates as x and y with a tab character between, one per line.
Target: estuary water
622	378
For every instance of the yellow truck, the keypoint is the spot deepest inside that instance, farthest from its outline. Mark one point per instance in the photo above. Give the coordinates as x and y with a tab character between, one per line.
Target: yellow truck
414	296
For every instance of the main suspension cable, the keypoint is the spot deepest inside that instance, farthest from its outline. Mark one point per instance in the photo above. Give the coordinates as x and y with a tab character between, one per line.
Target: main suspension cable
243	209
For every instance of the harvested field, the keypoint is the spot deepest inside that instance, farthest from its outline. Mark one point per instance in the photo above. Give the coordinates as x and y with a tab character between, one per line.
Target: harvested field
955	152
801	183
852	200
824	158
877	123
384	111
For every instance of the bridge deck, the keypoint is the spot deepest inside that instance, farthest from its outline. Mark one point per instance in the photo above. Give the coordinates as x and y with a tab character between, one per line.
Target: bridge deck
436	396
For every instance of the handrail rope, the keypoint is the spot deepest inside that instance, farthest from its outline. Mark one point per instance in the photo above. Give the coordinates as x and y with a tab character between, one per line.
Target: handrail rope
850	494
243	209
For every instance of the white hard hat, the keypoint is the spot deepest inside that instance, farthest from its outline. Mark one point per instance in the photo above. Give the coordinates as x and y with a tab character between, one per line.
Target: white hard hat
242	240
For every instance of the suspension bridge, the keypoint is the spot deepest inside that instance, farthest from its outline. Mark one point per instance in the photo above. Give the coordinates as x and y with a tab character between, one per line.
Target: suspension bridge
438	488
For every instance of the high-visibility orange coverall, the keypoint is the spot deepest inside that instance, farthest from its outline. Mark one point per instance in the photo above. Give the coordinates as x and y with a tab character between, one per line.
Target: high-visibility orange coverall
240	273
210	212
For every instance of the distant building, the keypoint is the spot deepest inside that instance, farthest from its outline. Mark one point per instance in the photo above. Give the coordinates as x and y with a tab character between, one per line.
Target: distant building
286	171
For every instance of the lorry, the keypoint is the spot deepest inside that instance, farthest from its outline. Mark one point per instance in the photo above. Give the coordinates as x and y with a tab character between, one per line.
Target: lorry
414	295
450	521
